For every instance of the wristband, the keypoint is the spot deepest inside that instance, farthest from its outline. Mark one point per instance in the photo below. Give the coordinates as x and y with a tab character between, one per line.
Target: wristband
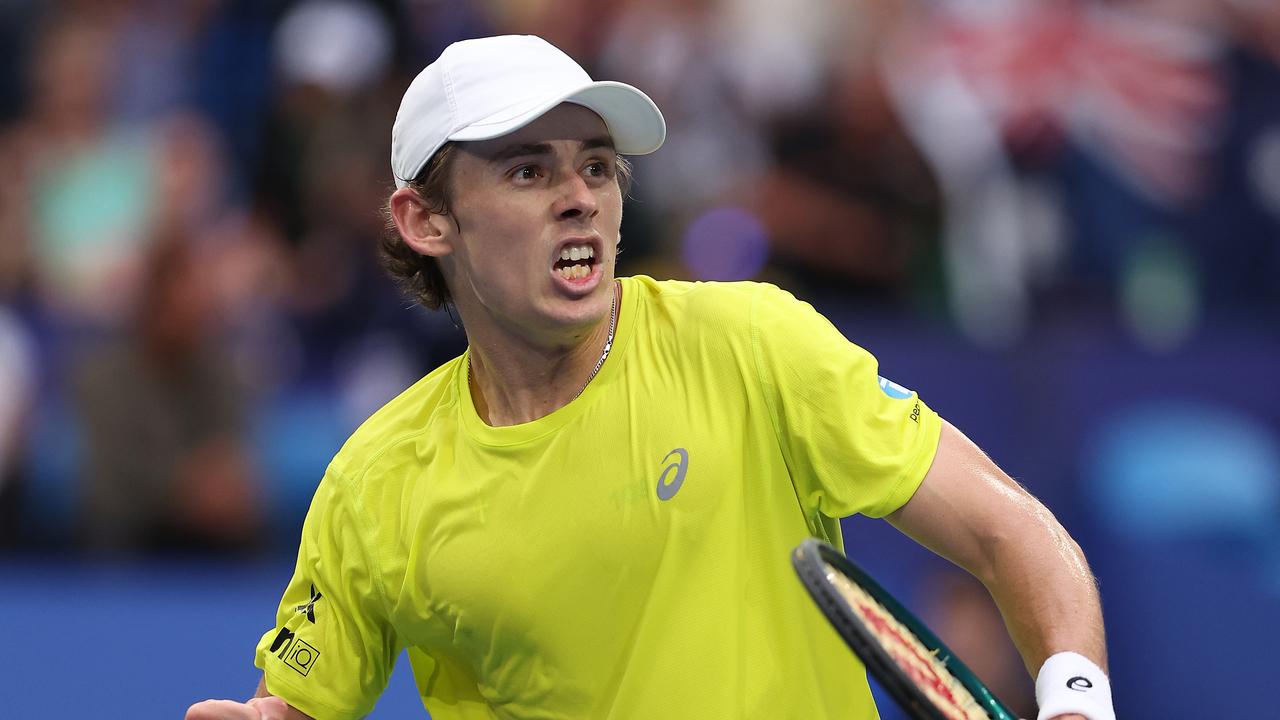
1071	683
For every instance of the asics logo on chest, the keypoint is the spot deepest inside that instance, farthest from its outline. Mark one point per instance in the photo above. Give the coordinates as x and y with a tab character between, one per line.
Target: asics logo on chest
672	477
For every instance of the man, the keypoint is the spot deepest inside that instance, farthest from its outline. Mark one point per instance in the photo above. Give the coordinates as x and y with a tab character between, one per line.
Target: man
589	514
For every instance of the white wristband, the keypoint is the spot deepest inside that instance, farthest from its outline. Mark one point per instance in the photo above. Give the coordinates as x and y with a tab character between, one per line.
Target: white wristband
1071	683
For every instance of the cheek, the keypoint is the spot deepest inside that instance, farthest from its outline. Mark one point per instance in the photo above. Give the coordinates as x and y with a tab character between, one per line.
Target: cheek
500	237
611	211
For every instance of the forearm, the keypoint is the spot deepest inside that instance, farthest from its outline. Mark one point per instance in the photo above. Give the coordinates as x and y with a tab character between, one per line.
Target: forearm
970	512
1044	589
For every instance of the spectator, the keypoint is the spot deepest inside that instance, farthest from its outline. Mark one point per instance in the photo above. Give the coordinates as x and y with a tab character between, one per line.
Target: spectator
164	423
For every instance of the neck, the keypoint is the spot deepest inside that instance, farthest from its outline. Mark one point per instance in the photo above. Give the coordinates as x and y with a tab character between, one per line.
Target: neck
516	380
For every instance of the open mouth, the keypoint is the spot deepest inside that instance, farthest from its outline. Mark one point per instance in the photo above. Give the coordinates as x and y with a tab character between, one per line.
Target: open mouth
576	262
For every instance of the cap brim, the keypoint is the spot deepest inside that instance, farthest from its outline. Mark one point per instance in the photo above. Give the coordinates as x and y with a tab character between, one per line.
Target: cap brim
634	121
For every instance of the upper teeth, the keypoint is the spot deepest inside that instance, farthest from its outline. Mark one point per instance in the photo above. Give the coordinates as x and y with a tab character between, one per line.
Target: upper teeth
577	252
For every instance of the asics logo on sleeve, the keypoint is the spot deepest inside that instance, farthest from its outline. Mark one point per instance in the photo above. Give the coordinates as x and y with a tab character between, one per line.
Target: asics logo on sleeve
673	474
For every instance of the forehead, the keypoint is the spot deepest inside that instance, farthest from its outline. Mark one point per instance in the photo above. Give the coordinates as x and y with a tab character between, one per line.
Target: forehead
566	122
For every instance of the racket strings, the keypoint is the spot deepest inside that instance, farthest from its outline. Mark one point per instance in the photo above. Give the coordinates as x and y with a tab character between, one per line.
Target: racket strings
918	662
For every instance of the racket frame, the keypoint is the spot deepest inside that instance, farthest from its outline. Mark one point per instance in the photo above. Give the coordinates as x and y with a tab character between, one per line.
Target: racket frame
810	560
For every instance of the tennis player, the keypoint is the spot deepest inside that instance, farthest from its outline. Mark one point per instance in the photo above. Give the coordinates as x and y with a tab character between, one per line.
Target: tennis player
589	514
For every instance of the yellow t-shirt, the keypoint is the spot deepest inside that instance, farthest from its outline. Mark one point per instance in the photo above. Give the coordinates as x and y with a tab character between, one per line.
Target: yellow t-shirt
626	556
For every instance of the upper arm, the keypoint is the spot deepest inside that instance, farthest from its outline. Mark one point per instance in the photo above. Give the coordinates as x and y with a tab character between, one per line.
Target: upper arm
854	442
333	646
966	506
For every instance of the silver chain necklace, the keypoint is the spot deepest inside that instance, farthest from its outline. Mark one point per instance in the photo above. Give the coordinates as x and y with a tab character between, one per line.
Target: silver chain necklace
608	345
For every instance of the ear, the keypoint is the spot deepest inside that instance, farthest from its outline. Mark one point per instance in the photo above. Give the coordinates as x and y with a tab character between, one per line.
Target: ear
428	233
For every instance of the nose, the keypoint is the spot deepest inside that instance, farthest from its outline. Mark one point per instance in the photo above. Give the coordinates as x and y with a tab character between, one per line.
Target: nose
576	199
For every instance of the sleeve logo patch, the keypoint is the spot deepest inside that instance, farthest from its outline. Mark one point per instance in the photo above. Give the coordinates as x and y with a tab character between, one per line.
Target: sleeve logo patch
310	606
294	651
893	389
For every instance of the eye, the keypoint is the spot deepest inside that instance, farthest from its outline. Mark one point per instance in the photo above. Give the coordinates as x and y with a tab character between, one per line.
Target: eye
598	168
525	172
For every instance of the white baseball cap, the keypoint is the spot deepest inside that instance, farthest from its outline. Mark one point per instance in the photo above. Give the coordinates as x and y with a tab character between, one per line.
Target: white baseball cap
489	87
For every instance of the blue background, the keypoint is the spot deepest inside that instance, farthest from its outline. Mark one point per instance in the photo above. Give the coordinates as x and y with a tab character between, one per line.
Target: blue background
1190	581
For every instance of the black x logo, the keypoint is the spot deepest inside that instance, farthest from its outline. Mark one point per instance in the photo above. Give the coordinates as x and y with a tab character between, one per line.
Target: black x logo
310	607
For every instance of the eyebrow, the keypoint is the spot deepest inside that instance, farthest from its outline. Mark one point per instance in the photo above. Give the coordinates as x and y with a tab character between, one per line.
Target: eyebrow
524	149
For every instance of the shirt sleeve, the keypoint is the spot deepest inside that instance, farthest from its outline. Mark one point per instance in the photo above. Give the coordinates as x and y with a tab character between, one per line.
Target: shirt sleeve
853	441
333	648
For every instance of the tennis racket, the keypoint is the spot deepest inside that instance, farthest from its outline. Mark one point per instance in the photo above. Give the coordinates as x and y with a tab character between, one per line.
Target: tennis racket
924	677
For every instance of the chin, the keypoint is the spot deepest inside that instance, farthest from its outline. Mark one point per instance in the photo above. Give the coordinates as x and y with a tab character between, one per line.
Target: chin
582	310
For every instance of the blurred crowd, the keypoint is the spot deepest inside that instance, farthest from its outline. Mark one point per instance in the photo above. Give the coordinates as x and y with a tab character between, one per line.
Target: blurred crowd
191	307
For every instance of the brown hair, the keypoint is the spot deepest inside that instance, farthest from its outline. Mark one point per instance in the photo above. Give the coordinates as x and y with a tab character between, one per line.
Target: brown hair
419	276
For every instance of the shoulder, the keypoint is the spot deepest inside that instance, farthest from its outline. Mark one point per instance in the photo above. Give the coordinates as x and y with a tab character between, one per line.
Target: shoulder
360	501
678	308
723	304
396	427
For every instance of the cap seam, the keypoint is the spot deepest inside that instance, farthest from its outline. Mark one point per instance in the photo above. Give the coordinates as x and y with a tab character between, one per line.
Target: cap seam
447	77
